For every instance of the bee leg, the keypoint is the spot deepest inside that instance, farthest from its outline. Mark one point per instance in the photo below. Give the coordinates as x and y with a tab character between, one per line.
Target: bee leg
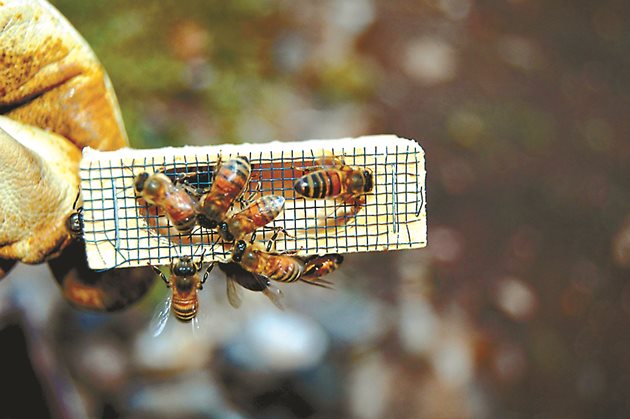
193	191
160	273
278	230
246	201
133	163
272	240
217	166
341	216
318	282
357	203
258	186
283	231
182	182
207	273
182	178
208	269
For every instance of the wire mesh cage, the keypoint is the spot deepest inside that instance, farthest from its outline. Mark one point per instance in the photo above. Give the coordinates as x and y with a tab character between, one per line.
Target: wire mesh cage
121	230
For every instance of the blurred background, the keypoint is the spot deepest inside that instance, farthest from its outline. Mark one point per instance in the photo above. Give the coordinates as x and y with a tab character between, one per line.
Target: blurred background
518	308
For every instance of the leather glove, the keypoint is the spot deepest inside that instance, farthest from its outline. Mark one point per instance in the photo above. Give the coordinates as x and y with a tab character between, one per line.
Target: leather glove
55	98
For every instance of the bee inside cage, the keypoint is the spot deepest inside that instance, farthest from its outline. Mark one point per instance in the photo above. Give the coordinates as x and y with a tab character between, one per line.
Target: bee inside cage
369	199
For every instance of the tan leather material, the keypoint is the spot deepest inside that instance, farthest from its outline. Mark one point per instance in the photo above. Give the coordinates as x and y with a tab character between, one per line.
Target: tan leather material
38	183
50	78
111	290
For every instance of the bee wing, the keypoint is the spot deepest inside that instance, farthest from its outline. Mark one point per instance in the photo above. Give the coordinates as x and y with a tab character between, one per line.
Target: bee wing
343	213
272	292
194	324
329	161
160	317
233	292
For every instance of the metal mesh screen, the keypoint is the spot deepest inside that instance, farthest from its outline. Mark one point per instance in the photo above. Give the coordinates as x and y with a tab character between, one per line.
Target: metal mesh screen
121	231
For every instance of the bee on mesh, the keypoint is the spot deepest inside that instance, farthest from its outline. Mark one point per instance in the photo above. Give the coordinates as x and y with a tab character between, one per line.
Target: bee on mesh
330	177
179	206
184	282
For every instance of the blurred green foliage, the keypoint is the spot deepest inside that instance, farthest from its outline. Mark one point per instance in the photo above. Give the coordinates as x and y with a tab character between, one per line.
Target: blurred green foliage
194	72
140	45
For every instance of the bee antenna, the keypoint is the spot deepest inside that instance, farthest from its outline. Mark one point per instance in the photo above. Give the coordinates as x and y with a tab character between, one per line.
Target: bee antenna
74	205
201	258
133	163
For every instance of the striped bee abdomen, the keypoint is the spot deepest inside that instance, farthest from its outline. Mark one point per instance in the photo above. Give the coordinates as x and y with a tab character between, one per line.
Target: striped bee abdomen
185	309
267	209
229	183
258	214
182	210
284	268
320	184
232	177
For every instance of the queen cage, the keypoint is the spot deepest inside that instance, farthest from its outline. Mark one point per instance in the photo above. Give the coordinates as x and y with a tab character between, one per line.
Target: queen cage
121	230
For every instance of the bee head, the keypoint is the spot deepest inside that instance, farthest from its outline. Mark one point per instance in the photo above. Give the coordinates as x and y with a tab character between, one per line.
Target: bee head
239	249
74	223
140	180
338	259
224	231
183	267
205	222
369	181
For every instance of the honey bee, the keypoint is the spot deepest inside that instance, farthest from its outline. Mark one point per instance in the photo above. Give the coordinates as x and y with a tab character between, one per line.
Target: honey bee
74	223
334	179
253	258
229	183
236	275
184	282
318	266
180	208
258	214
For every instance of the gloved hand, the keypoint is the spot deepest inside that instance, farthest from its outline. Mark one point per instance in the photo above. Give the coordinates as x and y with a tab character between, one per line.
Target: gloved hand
56	99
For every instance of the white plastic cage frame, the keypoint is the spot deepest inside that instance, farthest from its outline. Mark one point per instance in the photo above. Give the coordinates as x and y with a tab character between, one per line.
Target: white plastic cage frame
121	231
